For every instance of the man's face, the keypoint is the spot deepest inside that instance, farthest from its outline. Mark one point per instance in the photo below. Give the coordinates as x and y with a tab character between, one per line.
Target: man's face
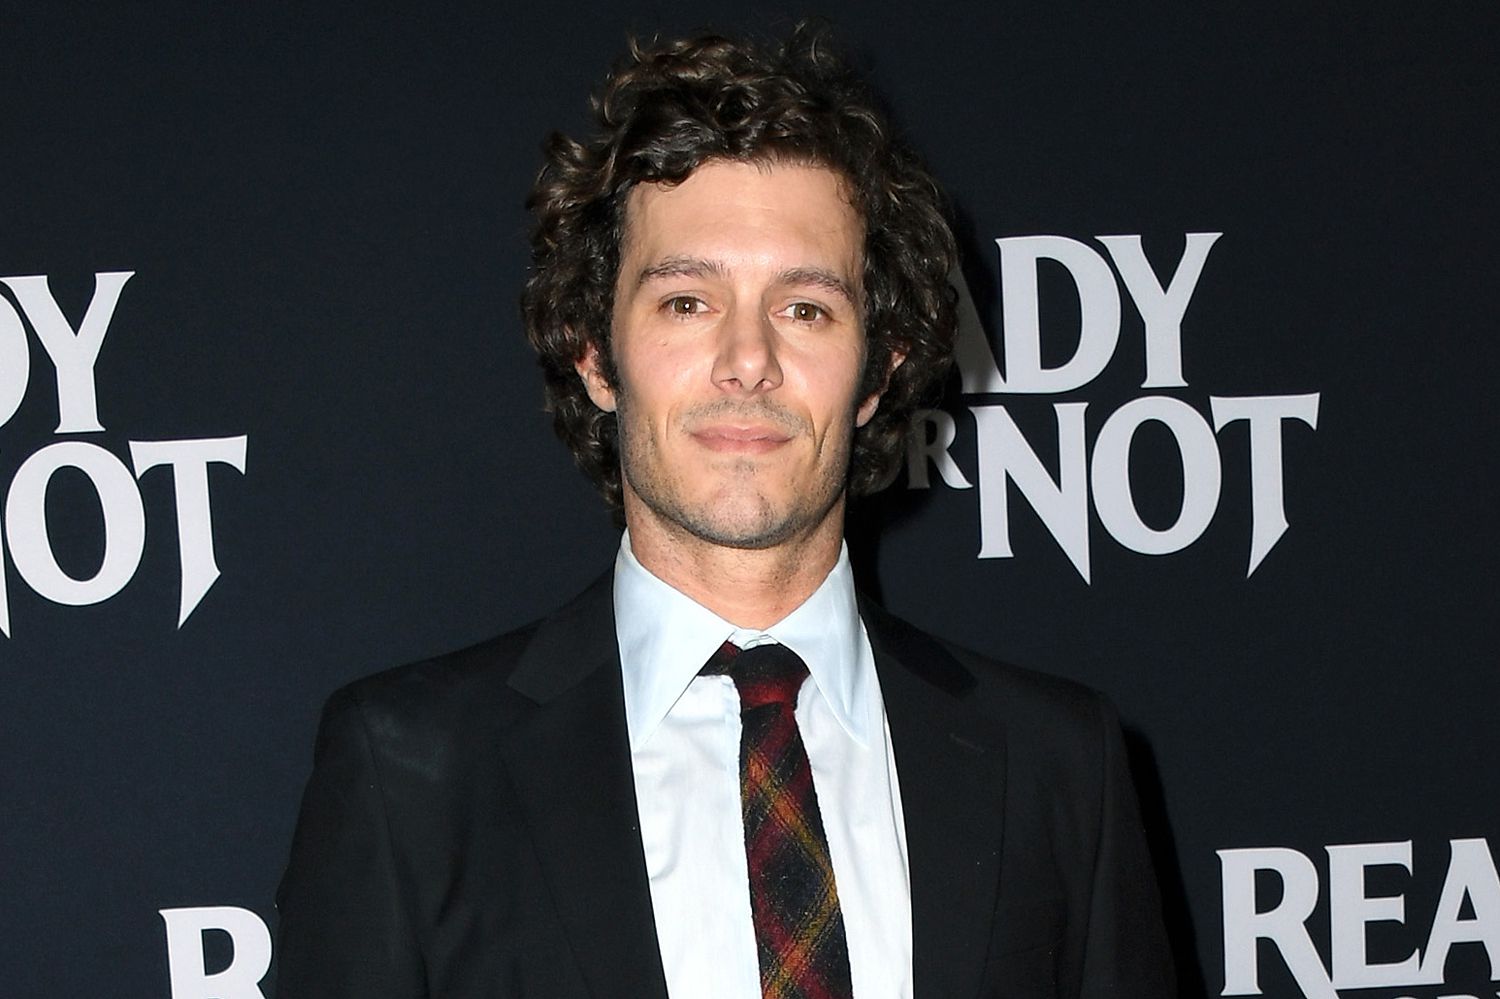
738	344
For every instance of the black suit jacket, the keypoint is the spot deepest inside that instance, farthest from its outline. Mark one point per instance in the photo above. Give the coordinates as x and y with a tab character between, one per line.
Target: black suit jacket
470	830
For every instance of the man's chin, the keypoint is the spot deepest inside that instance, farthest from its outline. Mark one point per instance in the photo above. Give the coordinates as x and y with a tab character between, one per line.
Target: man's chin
738	514
744	522
765	530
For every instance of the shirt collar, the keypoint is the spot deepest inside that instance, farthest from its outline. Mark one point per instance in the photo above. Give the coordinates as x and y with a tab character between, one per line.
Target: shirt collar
665	637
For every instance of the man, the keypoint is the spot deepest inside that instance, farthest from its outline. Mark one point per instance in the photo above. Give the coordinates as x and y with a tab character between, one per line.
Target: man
716	773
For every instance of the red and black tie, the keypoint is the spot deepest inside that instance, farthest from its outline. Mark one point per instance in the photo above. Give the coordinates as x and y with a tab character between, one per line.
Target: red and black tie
799	930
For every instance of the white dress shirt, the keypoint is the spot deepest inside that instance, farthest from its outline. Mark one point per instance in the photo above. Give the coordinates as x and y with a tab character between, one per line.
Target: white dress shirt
685	750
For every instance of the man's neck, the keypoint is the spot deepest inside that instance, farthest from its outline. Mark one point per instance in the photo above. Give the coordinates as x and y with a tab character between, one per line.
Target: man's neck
748	587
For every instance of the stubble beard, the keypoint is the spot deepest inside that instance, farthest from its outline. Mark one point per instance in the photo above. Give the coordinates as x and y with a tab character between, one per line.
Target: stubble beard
740	515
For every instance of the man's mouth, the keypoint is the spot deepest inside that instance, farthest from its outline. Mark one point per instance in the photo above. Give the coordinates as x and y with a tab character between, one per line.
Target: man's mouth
737	438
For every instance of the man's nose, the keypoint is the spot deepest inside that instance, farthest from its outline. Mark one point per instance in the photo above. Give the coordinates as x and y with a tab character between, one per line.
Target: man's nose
747	353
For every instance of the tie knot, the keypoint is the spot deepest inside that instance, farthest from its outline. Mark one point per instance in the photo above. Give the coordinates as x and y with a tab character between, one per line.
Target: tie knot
765	674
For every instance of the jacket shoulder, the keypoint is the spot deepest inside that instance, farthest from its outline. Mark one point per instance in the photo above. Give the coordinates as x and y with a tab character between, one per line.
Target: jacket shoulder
420	722
1037	709
488	680
449	680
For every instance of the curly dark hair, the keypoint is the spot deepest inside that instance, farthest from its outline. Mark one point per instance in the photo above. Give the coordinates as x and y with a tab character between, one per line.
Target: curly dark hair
665	110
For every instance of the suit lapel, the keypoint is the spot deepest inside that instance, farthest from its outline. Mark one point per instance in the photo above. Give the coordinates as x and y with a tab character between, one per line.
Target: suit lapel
570	762
950	762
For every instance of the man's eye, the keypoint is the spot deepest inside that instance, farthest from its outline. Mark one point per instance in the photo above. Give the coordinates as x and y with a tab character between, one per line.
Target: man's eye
684	305
806	312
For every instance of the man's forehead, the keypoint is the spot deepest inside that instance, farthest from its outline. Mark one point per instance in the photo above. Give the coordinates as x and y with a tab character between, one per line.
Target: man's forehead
724	199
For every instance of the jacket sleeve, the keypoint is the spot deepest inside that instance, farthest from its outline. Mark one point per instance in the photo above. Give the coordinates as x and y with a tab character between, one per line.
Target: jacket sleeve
1126	954
344	929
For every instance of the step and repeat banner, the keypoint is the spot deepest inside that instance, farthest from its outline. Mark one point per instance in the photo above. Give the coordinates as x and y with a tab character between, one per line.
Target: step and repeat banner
1220	440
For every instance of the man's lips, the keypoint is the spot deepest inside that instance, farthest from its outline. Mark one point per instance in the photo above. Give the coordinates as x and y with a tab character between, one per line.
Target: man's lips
741	438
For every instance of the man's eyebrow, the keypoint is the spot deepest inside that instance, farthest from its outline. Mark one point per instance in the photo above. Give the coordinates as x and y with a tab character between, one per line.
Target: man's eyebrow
693	267
817	277
699	267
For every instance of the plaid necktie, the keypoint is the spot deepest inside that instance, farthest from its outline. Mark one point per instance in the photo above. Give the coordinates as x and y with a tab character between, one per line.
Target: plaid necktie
799	930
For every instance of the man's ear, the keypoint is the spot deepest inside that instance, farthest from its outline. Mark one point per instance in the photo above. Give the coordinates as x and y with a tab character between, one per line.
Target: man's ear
594	382
869	406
